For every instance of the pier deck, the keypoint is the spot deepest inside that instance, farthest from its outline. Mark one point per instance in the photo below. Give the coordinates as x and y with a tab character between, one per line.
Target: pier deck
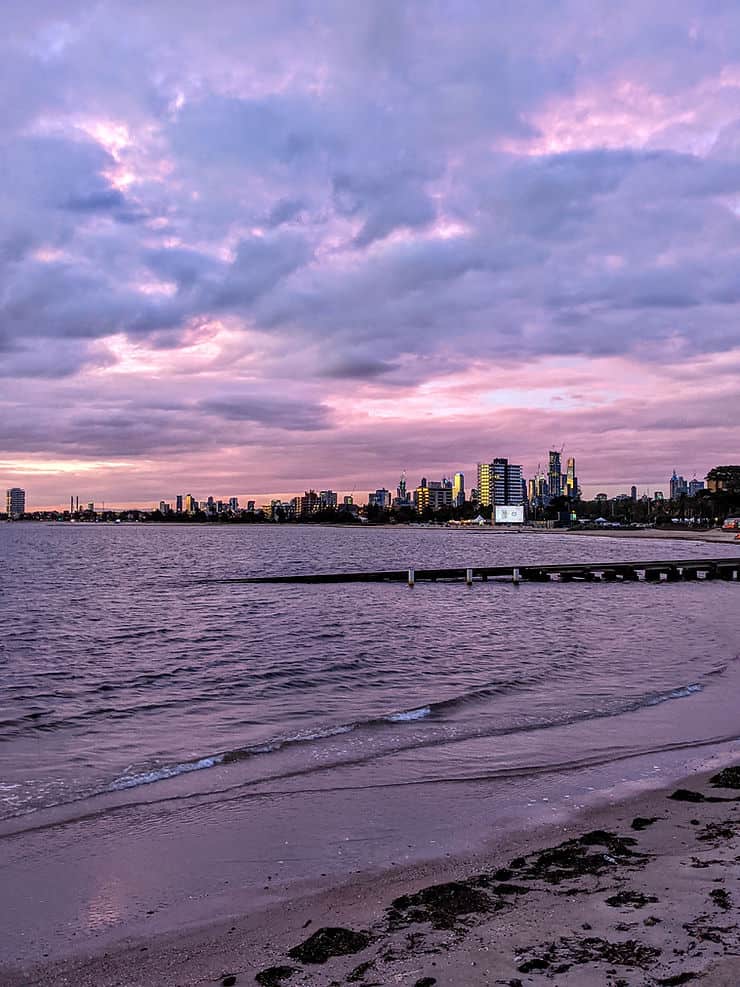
653	570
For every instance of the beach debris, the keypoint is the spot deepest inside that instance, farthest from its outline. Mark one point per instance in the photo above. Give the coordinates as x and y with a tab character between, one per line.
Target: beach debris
631	899
328	942
426	982
727	778
560	956
273	976
651	920
642	822
577	857
721	898
442	904
228	981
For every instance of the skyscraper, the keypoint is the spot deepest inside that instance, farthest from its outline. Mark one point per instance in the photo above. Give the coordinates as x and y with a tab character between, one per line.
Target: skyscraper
178	503
458	490
571	480
15	502
554	474
678	486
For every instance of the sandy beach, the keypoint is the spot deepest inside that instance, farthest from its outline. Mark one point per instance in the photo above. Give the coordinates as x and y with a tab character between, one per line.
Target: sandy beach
641	892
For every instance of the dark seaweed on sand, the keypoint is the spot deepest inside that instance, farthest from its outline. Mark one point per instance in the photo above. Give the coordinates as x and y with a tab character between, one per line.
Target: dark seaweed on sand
560	956
631	899
442	904
727	778
593	853
328	942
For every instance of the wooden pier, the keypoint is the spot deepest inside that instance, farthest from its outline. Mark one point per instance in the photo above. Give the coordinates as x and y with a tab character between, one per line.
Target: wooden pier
608	572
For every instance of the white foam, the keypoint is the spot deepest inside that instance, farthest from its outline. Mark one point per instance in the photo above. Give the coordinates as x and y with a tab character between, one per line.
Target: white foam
682	693
160	774
409	714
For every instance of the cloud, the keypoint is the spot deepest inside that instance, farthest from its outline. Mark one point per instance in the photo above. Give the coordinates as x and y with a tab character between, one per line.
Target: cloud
299	222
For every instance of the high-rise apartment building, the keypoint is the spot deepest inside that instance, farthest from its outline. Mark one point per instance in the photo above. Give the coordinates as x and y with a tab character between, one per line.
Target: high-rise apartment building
15	502
695	486
178	503
191	505
327	499
555	475
500	483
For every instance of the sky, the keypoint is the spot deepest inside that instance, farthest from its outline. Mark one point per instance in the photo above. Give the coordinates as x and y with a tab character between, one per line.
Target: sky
248	249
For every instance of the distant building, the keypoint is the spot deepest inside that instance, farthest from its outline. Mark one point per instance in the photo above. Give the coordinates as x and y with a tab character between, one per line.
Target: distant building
250	506
233	504
601	497
178	503
164	507
327	500
633	492
381	499
695	486
555	475
658	495
537	490
15	502
500	483
348	501
403	497
458	489
679	486
434	494
571	480
308	504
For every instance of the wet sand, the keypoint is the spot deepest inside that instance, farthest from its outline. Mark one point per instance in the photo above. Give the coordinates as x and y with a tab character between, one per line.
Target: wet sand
641	892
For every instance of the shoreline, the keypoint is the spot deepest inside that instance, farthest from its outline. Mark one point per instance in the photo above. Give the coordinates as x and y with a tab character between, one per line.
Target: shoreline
517	910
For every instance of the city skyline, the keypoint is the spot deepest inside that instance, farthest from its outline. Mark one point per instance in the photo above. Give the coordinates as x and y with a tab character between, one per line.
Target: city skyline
392	235
471	480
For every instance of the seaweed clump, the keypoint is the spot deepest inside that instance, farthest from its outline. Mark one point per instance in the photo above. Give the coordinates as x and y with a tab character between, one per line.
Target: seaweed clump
590	854
561	956
631	899
442	905
727	778
328	942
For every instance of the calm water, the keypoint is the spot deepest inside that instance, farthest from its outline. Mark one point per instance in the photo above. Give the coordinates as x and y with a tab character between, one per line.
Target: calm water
123	664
